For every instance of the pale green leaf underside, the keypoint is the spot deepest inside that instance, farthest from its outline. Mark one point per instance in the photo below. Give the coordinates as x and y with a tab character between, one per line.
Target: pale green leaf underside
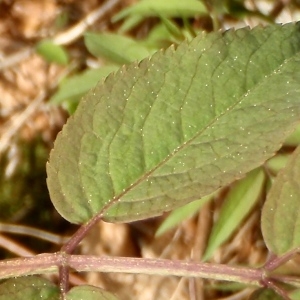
176	127
31	287
281	212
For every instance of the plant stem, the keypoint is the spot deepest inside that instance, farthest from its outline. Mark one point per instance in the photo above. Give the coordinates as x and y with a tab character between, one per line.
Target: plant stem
81	233
60	261
163	267
274	262
39	264
50	263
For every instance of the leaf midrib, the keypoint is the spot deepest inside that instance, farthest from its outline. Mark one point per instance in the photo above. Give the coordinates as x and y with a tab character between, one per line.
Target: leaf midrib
229	109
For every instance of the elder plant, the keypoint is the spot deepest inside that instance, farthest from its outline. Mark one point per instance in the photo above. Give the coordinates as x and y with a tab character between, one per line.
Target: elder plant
163	132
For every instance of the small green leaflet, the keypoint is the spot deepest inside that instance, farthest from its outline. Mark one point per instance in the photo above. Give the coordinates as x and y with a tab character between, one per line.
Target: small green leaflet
281	212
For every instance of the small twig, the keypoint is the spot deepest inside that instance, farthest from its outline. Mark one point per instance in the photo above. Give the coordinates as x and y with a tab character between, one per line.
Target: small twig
19	120
37	233
164	267
15	58
63	38
278	7
50	263
291	280
275	262
203	229
272	285
14	247
22	251
78	30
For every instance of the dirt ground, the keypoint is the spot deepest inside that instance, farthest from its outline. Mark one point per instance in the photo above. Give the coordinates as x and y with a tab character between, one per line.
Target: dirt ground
26	83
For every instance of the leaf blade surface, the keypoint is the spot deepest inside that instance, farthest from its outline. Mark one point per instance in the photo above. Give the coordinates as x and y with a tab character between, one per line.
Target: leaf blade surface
176	127
31	287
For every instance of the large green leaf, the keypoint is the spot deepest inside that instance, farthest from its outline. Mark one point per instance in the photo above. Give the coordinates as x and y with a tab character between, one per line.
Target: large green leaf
31	287
281	213
174	128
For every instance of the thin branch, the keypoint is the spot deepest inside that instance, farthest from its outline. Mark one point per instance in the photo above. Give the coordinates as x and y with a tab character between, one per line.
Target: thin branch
33	232
78	30
39	264
163	267
14	247
20	250
272	285
19	120
291	280
50	263
275	262
63	38
15	58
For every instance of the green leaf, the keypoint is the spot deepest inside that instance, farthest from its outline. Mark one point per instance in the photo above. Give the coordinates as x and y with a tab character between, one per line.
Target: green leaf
295	295
176	127
116	48
166	8
238	204
294	139
74	87
265	294
182	213
30	287
129	23
52	52
278	162
90	293
158	36
281	211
